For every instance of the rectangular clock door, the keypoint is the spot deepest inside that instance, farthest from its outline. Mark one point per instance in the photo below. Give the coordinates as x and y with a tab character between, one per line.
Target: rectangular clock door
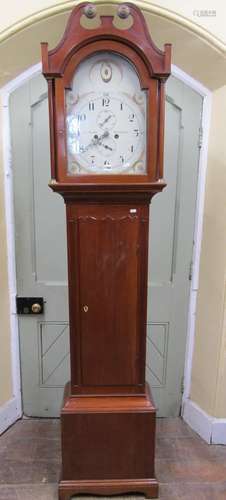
106	265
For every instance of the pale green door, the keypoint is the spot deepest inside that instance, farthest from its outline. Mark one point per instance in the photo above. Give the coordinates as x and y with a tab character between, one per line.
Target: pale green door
170	250
41	251
40	254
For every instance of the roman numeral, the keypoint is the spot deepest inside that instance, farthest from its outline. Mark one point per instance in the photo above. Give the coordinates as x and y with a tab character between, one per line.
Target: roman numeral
81	117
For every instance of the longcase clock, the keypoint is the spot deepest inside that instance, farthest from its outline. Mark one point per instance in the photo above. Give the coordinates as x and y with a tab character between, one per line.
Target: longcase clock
106	106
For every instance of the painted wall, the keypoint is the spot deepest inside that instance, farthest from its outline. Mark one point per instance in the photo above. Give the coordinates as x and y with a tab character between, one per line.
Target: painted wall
198	48
17	13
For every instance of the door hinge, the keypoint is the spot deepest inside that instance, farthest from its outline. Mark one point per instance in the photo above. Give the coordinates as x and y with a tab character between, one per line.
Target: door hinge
190	271
200	140
182	385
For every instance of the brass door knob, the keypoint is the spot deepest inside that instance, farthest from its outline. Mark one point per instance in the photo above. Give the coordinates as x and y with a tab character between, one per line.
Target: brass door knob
85	309
36	308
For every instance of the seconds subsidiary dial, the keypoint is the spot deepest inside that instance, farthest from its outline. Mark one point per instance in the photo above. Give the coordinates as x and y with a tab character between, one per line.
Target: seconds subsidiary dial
106	132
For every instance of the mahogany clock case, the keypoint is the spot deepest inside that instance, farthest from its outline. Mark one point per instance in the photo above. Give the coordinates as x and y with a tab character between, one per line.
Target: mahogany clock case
108	416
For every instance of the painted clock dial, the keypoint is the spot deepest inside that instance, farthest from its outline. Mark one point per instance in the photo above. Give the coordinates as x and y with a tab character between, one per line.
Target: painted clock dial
106	118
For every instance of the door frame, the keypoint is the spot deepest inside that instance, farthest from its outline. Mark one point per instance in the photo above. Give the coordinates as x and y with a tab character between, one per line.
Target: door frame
15	409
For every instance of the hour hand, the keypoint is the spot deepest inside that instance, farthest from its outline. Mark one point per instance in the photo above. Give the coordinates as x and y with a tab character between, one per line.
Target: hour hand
107	147
96	140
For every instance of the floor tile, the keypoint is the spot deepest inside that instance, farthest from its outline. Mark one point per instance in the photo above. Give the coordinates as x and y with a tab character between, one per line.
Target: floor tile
204	471
8	493
14	472
173	427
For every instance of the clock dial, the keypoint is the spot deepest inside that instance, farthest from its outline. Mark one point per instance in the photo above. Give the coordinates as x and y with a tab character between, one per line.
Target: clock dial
106	128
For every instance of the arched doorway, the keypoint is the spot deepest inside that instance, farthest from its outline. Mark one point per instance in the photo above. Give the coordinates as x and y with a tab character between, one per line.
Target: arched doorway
54	25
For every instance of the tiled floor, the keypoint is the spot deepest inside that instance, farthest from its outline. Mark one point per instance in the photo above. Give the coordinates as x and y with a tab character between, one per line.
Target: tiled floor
187	468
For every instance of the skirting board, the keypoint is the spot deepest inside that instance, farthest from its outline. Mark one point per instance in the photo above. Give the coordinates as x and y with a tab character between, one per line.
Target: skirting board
211	429
9	413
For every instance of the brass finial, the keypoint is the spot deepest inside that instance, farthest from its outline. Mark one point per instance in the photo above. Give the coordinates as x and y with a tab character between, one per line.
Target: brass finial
123	11
90	11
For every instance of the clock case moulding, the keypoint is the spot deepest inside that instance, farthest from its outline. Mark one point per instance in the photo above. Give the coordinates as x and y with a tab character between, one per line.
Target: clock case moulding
108	429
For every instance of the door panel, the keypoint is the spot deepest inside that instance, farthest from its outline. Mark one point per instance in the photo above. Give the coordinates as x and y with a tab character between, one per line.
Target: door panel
41	253
170	251
107	251
106	243
163	219
54	349
48	217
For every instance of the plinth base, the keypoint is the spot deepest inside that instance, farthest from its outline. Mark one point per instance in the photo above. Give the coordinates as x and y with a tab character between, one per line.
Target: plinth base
148	487
108	446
